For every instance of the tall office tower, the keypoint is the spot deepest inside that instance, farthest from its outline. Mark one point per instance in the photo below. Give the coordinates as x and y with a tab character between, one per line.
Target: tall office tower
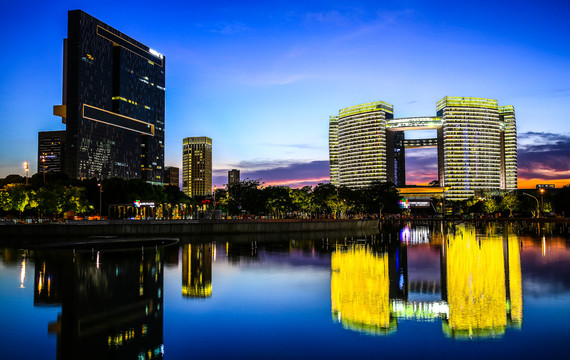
171	176
471	145
362	143
333	149
113	103
476	144
233	176
197	166
51	149
508	120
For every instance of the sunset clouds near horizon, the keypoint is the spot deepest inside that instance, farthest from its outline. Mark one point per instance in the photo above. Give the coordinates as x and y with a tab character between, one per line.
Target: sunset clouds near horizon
543	158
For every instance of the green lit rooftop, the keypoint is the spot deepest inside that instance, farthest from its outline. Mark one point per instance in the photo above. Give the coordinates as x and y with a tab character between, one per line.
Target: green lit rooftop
467	102
364	108
507	109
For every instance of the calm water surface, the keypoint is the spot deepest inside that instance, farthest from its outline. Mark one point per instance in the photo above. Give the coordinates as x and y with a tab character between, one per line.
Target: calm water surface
410	291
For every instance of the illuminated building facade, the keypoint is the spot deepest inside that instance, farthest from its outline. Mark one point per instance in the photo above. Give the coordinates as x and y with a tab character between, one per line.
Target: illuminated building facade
476	143
51	149
333	149
361	148
113	103
197	166
171	176
233	176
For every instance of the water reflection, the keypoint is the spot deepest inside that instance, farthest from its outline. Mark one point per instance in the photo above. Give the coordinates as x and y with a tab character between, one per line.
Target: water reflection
479	285
360	289
477	267
197	270
457	281
111	302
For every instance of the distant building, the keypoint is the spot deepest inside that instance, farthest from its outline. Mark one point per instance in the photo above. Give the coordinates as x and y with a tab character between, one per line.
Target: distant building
197	166
172	176
113	103
333	149
51	149
476	143
233	176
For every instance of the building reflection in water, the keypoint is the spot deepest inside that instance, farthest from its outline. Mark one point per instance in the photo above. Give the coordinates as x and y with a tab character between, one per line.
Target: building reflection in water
479	289
197	270
479	277
111	302
360	289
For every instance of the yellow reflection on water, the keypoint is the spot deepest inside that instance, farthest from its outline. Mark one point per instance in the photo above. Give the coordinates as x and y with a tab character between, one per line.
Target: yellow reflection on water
197	270
360	289
515	281
476	284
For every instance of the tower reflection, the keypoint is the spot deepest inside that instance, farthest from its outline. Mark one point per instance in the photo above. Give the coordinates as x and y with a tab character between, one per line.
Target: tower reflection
479	285
111	302
360	289
197	270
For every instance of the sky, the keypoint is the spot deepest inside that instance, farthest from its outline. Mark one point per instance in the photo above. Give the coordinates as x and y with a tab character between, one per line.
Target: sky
262	77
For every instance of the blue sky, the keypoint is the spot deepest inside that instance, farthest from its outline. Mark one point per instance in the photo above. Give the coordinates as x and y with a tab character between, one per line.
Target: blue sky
261	78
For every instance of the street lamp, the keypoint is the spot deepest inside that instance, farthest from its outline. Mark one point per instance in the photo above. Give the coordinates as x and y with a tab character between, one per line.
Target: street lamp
215	188
100	198
537	206
542	199
26	169
44	167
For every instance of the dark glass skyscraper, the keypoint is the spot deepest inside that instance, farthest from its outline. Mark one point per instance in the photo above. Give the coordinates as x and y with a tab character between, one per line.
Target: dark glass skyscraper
51	147
113	103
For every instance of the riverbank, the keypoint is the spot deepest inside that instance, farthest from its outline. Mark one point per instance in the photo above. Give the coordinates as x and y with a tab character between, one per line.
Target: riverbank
37	234
14	234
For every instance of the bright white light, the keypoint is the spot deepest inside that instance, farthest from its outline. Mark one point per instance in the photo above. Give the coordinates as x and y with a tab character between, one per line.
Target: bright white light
155	53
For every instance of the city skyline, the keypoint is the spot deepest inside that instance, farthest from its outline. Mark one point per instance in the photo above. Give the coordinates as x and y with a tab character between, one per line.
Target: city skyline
475	140
261	79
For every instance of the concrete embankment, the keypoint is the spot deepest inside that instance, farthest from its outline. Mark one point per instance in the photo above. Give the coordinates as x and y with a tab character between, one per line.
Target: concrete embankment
11	234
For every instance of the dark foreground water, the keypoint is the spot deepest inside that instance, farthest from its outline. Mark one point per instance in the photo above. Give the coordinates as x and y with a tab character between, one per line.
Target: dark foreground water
407	292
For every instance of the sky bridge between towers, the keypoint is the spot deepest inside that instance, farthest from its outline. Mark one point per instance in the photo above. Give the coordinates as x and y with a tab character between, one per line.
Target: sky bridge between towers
414	123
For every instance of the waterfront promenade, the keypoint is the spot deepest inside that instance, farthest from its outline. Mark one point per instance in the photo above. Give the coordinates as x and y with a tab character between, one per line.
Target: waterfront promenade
18	233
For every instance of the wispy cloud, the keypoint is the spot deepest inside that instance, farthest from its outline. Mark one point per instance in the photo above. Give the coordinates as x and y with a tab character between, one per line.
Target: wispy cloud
224	28
544	156
293	146
282	172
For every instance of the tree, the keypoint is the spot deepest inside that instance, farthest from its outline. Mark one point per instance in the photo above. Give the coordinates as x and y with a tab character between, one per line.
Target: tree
278	200
20	198
561	200
324	198
12	179
491	206
510	202
246	196
221	196
48	202
302	199
382	196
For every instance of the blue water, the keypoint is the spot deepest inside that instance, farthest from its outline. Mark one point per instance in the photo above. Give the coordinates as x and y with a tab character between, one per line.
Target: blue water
273	299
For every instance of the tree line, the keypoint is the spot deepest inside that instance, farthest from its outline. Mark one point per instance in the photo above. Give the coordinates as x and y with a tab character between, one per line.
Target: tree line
53	194
253	198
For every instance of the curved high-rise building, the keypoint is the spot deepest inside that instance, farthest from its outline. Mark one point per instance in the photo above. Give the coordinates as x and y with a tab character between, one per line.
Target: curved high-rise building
471	145
476	144
333	149
508	120
362	143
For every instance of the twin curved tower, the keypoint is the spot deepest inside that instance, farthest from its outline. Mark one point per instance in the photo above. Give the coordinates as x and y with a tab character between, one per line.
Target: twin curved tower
476	142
